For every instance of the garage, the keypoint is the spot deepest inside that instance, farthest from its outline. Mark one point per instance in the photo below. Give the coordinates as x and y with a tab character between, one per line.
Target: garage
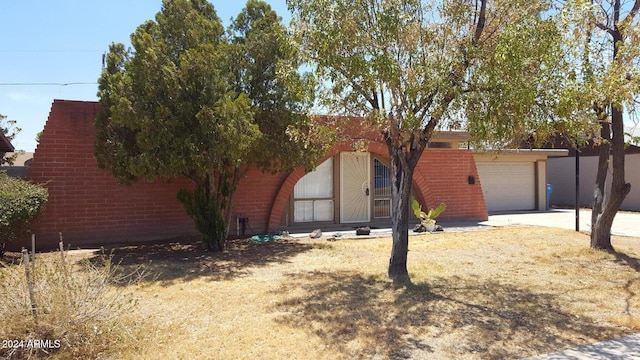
514	180
508	186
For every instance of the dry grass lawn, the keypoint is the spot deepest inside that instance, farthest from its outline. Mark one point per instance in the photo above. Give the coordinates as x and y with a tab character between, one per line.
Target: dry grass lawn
494	294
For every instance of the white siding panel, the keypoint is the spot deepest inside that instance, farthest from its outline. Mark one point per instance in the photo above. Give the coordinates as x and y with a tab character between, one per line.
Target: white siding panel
508	186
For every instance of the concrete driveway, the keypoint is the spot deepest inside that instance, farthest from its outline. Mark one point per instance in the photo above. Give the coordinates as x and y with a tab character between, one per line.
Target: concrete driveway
626	348
624	224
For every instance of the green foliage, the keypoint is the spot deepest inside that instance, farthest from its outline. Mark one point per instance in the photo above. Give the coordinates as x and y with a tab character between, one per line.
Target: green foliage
414	66
9	130
193	100
167	108
607	38
426	217
417	65
190	100
434	213
207	215
608	72
528	91
417	209
264	63
20	202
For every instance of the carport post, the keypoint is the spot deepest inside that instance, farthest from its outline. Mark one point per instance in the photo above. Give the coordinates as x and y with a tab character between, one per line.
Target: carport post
577	189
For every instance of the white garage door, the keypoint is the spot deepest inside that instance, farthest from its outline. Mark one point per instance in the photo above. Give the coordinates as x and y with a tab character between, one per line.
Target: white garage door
508	186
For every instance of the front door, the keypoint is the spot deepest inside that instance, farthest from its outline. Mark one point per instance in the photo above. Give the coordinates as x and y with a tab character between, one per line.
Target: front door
355	203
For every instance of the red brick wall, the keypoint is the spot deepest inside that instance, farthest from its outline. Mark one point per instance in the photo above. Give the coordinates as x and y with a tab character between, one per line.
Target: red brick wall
253	199
440	176
443	177
86	203
88	206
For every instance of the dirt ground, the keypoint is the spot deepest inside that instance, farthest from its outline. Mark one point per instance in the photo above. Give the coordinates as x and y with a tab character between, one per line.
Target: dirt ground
493	294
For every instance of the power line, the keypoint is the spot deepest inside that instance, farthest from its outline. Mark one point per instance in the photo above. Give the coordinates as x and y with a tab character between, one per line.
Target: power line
48	84
50	51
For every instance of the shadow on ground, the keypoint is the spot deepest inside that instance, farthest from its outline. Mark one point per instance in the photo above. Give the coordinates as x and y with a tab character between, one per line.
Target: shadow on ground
365	317
184	260
627	260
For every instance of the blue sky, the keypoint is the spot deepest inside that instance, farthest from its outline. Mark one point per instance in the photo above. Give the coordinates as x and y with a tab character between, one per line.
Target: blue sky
62	42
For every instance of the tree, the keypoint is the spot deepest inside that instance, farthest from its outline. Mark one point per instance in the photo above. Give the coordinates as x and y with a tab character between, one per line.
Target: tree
9	130
610	33
413	66
190	100
20	202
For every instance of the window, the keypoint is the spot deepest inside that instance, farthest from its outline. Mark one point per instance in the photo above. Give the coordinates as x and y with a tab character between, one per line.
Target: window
313	195
381	190
312	210
439	145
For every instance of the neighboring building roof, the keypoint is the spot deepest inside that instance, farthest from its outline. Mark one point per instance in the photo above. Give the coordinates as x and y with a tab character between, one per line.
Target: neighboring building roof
20	165
23	159
16	171
5	144
451	135
591	149
540	153
364	129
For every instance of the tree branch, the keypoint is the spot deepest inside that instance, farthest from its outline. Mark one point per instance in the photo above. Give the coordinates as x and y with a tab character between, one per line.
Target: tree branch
373	101
481	21
605	28
424	104
605	13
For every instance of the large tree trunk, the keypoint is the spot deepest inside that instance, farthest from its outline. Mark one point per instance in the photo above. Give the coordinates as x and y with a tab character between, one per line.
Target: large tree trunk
204	208
601	178
602	219
228	211
403	164
602	214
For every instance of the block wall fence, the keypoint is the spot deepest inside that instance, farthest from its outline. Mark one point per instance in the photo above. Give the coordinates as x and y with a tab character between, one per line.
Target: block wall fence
89	207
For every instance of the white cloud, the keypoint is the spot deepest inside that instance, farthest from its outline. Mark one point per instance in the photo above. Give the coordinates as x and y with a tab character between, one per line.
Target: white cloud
18	96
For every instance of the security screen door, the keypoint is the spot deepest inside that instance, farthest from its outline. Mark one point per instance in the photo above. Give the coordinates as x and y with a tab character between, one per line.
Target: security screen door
355	199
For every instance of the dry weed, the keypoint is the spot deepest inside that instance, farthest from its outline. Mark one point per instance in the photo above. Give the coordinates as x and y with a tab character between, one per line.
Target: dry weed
79	308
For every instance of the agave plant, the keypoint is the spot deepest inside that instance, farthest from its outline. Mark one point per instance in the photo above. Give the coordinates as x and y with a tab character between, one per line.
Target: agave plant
429	217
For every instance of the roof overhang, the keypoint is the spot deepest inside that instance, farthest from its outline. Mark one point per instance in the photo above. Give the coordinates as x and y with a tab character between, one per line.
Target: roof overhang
5	144
519	154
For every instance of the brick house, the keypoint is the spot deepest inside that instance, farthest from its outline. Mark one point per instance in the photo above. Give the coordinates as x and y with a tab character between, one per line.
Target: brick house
348	188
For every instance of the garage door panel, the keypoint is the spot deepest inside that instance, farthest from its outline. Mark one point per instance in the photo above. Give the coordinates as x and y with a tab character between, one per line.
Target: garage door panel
508	186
